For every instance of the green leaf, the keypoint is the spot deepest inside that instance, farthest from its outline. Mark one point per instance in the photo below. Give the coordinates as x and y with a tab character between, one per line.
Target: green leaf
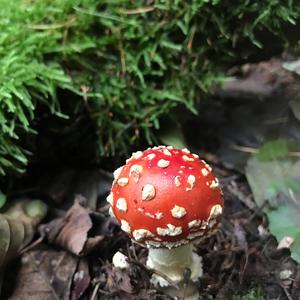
285	221
272	150
271	179
282	184
279	183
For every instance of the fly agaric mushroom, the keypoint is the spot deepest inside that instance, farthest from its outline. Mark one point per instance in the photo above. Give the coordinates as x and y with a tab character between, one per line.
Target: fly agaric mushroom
166	198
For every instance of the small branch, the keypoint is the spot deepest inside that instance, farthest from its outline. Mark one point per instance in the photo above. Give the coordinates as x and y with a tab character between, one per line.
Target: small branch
33	244
258	211
288	295
294	154
244	149
95	291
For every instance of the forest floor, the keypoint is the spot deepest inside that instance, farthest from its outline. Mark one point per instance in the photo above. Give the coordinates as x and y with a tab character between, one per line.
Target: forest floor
70	257
241	256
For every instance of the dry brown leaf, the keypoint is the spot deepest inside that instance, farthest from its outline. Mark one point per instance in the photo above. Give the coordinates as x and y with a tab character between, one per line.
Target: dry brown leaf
72	232
45	274
81	280
117	280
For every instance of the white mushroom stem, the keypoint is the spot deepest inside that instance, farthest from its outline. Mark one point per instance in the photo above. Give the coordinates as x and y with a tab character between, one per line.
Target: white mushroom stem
173	263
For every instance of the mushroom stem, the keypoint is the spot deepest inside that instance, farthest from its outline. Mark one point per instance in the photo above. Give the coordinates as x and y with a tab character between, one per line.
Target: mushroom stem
173	263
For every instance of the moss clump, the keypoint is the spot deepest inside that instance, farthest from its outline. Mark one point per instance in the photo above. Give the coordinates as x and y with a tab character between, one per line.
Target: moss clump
124	63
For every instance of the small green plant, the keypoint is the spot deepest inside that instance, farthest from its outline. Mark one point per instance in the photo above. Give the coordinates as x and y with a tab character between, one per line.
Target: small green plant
272	150
125	64
255	294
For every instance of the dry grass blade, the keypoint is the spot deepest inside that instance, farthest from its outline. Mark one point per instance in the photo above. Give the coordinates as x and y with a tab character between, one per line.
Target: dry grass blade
255	150
136	11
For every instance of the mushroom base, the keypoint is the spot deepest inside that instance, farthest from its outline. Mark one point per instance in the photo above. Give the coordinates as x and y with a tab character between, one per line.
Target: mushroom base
173	263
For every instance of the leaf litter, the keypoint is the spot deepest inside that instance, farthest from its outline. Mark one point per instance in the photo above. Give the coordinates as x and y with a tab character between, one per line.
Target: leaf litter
242	255
71	232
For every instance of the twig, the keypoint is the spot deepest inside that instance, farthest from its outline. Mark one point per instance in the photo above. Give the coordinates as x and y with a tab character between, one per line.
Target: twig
288	295
33	244
95	291
258	211
126	127
244	149
242	273
294	154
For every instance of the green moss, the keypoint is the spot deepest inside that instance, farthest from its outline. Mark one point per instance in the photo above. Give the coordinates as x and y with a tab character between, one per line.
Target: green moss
123	63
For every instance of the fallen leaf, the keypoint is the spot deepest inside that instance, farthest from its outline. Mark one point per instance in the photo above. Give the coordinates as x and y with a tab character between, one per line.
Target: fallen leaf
278	182
270	179
81	280
117	280
285	221
45	274
73	231
17	227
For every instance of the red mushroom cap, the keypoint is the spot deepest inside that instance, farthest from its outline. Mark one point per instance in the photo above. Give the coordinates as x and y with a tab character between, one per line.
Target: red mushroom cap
166	197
